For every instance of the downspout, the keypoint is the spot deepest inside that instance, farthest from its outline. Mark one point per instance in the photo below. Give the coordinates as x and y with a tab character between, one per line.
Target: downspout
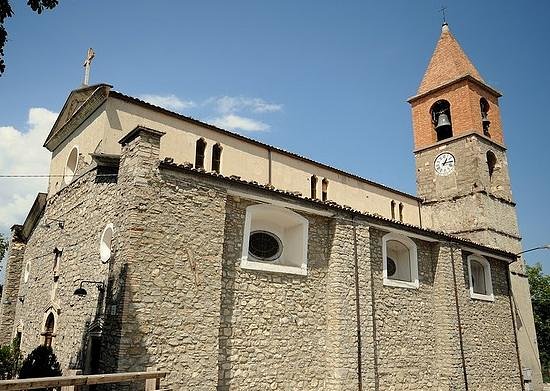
269	178
420	213
374	333
459	322
357	307
508	281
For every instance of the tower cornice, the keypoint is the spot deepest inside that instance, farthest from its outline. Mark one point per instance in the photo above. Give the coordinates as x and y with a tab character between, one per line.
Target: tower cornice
466	77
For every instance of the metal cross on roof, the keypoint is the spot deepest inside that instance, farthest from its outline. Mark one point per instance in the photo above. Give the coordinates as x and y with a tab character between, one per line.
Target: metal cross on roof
87	64
442	10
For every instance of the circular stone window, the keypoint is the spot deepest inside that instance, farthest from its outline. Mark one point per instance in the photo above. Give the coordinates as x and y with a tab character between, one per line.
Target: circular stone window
391	268
105	244
70	167
265	246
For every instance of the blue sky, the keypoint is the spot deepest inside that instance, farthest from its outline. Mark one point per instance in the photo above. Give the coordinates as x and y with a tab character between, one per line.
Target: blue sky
336	76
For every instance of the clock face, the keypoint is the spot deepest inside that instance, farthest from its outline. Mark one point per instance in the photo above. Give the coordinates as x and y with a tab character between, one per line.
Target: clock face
444	164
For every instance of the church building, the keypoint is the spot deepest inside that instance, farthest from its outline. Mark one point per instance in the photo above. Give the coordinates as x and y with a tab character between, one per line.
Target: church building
166	243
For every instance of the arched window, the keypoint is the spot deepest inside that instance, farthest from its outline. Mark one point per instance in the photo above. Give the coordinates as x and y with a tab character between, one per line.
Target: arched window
105	244
275	239
491	163
479	273
313	186
400	264
401	211
49	328
324	189
199	153
216	157
441	119
484	108
71	165
392	206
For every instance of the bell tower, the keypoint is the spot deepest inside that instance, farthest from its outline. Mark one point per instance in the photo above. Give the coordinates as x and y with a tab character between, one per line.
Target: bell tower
462	171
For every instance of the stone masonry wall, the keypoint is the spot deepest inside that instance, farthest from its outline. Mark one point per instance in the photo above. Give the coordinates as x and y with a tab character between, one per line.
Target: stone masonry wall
171	266
405	325
488	332
85	207
273	327
10	292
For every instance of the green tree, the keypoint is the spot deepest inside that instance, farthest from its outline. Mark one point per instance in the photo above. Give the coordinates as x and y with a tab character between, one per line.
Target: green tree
540	299
41	362
9	359
6	12
3	246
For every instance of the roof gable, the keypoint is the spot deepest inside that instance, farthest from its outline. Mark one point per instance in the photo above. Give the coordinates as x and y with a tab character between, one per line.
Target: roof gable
72	107
449	62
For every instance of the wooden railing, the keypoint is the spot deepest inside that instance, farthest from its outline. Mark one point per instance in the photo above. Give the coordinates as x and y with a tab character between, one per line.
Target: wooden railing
151	379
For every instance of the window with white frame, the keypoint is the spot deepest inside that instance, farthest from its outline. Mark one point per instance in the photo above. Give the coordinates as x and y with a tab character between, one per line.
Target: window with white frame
274	240
400	263
479	274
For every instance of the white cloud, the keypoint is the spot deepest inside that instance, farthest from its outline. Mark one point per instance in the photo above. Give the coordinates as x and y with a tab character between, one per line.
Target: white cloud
22	153
230	104
171	102
236	122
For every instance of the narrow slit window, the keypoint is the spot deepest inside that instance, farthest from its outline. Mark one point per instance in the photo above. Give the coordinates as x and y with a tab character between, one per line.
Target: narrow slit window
56	259
199	153
324	189
313	186
48	330
216	157
491	163
392	207
485	122
401	211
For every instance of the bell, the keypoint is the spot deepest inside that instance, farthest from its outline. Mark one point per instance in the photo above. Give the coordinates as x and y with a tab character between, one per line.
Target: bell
442	121
485	118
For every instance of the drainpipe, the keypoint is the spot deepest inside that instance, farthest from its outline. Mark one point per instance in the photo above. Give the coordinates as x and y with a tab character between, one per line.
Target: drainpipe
357	307
269	179
514	325
459	321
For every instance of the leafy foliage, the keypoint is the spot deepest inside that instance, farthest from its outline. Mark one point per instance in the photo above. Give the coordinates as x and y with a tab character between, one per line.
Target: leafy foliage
6	11
540	299
9	358
41	362
3	246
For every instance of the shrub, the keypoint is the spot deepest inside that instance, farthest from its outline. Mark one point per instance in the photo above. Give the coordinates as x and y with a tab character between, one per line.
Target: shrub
41	362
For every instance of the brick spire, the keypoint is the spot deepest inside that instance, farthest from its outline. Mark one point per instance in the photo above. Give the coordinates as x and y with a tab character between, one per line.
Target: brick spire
448	63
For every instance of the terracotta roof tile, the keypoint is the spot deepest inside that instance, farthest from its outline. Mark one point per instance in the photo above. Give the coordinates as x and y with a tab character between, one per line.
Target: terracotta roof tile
449	62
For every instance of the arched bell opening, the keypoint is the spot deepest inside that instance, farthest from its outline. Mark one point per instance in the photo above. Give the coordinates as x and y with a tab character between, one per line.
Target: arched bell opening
441	119
484	108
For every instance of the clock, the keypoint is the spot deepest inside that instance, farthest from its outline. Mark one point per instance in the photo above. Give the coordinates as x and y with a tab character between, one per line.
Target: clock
444	164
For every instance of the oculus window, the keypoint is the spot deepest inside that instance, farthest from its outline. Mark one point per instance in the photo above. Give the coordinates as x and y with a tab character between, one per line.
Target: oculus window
274	240
400	264
479	275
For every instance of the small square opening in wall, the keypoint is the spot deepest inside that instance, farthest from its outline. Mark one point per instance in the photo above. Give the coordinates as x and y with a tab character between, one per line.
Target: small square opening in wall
275	240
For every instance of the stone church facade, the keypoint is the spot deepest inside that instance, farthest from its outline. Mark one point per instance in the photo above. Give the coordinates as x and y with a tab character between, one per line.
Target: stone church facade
169	244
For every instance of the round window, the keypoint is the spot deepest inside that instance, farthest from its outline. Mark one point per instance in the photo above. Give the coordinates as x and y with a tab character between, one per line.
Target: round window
391	266
264	246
